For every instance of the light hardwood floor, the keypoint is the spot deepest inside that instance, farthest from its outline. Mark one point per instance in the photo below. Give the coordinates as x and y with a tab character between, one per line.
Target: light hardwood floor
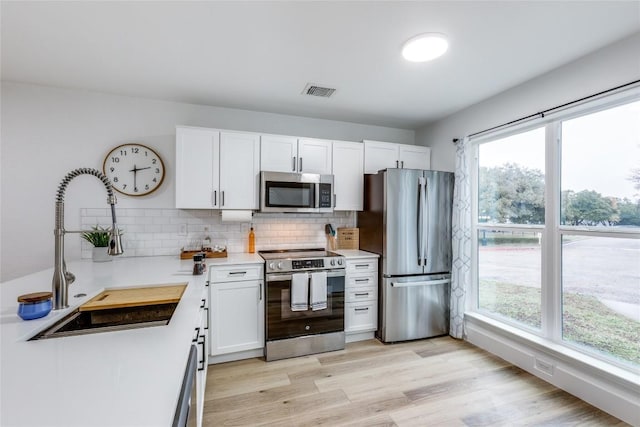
432	382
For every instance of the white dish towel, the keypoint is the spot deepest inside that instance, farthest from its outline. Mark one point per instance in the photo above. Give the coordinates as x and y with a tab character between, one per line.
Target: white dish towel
319	290
299	291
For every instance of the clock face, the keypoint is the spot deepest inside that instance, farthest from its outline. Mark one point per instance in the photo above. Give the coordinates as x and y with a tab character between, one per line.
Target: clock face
134	169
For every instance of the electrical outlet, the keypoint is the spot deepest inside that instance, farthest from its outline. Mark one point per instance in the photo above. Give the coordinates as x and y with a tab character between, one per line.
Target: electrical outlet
182	230
542	366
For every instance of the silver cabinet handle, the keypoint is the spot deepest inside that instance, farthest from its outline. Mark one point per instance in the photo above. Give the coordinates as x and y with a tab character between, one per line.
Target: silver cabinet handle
397	164
260	295
215	198
361	265
300	164
335	198
234	273
362	309
293	166
361	280
402	164
222	198
363	294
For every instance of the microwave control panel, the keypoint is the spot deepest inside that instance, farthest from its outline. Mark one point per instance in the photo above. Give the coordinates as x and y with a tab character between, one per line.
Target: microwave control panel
325	196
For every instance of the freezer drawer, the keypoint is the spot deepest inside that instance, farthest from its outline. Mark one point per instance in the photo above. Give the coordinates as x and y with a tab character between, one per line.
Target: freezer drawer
414	307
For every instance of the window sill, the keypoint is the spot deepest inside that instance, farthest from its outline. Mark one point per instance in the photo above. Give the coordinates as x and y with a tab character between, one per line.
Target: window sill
606	371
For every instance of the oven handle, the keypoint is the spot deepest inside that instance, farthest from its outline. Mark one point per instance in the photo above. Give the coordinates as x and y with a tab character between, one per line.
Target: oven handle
282	277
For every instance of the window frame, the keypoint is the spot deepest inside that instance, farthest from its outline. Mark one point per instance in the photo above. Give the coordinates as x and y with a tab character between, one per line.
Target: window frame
552	231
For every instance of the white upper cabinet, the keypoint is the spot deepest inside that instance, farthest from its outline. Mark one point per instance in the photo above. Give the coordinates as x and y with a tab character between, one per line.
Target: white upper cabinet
348	175
291	154
216	170
382	155
415	157
239	170
197	150
279	153
314	156
379	155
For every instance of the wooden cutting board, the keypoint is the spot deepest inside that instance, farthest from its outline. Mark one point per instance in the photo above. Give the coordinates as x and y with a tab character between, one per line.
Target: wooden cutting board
134	297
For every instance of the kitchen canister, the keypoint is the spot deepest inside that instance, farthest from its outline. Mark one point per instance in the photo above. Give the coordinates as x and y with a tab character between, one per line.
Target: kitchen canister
35	305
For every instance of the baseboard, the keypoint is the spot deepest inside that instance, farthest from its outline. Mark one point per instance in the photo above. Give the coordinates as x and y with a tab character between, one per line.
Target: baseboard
359	336
614	396
240	355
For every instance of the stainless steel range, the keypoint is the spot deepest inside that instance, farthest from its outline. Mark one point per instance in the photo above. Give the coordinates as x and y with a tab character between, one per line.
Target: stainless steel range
305	302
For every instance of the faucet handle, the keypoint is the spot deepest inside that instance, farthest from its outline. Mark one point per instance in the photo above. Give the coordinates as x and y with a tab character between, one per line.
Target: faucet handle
70	277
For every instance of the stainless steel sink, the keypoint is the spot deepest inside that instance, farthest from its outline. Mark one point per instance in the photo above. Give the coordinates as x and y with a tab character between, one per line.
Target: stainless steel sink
113	319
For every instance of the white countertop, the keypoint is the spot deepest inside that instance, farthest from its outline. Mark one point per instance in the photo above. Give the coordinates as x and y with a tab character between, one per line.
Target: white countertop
121	378
355	253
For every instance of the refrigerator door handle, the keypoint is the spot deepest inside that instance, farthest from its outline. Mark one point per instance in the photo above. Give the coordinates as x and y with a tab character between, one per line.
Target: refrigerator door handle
421	215
425	216
421	283
419	227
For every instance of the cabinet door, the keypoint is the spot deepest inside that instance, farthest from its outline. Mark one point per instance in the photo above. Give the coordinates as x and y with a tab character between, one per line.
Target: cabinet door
380	155
278	153
197	178
348	175
237	316
239	170
360	316
415	157
314	156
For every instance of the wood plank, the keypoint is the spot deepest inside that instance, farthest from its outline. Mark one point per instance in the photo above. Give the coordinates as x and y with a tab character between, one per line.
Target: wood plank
278	410
135	297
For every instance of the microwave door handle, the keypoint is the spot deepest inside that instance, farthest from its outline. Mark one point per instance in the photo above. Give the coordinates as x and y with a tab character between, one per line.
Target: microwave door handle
316	195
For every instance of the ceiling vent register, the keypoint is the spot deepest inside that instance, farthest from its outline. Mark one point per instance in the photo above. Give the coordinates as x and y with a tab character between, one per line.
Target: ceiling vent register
315	90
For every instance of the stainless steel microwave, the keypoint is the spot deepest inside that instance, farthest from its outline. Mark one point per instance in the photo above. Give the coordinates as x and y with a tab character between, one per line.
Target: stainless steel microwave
296	192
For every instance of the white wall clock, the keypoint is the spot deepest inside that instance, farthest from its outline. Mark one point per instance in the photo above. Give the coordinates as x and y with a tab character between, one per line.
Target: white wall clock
134	169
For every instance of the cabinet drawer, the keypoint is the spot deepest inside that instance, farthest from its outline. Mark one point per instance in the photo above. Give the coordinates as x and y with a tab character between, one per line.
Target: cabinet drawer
361	316
361	294
368	265
235	273
361	280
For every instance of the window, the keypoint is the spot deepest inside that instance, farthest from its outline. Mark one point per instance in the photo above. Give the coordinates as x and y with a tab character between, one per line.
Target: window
510	217
558	219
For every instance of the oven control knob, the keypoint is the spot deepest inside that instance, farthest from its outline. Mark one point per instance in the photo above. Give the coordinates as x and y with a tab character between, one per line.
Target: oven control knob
271	266
333	262
280	266
339	261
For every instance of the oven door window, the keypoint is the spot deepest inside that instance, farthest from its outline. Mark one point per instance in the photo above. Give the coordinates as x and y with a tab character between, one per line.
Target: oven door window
290	194
284	323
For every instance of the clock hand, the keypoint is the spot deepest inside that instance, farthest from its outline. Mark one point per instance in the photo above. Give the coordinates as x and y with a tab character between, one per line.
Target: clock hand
135	174
148	167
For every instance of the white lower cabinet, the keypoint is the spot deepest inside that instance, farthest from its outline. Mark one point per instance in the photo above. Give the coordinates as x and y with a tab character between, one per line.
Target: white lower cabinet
361	299
237	312
201	340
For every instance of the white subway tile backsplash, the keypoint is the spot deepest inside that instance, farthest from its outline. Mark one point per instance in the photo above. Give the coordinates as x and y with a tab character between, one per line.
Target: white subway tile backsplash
154	232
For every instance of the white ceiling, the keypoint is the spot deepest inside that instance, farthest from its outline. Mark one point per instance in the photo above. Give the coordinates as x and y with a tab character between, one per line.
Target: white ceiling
260	55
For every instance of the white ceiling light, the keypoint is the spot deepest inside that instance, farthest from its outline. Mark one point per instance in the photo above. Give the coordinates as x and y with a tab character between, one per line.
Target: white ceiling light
425	47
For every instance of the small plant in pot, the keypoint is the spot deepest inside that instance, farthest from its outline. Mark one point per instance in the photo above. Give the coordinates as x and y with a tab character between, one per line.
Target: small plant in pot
99	238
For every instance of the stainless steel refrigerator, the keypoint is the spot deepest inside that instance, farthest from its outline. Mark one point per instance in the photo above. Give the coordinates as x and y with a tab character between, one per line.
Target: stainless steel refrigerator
407	221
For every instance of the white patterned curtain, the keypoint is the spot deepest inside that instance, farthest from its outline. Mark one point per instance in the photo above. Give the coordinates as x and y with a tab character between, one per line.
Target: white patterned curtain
461	239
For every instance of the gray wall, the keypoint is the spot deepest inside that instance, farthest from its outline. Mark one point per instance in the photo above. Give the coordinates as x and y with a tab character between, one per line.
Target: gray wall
616	64
46	132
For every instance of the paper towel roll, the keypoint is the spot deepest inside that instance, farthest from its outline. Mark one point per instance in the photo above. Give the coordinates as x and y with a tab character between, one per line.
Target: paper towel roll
236	216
